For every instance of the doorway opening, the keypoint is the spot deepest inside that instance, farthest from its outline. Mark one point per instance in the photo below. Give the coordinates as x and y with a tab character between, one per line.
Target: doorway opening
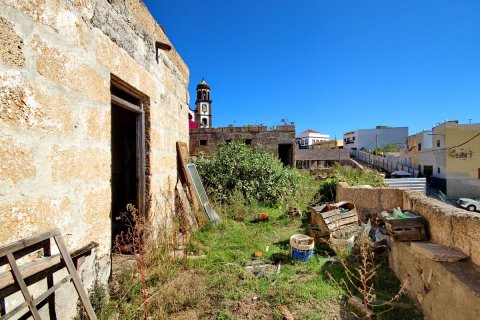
285	153
128	155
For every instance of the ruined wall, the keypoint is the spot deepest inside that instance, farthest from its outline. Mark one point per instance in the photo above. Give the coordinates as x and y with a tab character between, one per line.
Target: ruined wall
442	290
254	134
57	58
447	225
370	200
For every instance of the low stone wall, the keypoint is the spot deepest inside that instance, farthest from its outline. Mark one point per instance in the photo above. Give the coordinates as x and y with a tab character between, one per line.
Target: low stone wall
370	200
443	290
447	225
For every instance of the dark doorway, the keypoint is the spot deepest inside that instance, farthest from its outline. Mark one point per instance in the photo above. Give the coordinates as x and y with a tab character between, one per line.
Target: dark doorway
128	157
428	172
285	153
124	164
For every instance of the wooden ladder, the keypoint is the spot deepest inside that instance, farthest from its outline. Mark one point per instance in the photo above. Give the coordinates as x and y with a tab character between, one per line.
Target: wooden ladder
19	277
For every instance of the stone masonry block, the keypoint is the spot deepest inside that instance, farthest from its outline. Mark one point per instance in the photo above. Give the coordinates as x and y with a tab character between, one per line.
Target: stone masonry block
80	164
12	45
25	105
30	216
16	161
67	71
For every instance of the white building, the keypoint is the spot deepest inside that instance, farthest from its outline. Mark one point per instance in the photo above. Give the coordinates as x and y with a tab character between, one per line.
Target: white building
371	139
309	137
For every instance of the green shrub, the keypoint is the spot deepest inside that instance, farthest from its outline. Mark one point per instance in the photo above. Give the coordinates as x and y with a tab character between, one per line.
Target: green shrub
258	175
353	176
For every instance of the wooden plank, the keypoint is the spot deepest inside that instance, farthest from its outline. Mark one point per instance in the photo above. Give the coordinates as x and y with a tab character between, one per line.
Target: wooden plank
126	105
184	158
185	205
340	216
23	287
23	243
12	287
29	269
75	278
37	267
405	223
27	250
339	223
37	300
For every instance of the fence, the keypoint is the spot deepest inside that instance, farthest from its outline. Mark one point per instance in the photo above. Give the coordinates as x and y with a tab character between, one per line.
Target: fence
389	165
415	184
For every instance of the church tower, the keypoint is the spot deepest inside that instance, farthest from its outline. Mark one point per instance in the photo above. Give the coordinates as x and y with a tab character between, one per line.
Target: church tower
203	113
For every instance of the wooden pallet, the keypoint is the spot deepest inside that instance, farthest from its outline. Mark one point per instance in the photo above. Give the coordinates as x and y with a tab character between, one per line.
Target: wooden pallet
18	278
408	229
329	217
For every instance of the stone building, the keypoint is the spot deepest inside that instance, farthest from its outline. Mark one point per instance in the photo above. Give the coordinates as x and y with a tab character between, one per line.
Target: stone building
278	141
93	98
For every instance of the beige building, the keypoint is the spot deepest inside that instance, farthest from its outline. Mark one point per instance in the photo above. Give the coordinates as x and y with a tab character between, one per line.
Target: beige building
93	98
449	155
456	153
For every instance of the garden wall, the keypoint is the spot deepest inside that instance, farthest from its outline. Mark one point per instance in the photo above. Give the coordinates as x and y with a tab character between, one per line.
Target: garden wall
443	290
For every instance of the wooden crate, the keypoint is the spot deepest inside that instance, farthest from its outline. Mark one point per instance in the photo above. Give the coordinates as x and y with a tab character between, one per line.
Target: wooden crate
329	217
408	229
319	236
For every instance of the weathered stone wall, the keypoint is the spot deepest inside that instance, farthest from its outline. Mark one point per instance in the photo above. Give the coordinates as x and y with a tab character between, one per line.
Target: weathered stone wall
447	225
57	58
370	200
442	290
255	134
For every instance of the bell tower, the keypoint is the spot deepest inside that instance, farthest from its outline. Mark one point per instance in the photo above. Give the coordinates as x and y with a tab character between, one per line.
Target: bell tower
203	113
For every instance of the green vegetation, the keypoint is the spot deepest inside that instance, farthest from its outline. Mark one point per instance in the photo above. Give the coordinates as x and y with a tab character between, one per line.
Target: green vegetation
350	175
257	175
213	277
217	284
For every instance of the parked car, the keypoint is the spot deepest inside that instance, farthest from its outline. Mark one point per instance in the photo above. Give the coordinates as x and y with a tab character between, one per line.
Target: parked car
469	204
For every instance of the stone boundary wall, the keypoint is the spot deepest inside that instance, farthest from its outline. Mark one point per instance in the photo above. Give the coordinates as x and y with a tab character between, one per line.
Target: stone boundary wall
443	290
447	225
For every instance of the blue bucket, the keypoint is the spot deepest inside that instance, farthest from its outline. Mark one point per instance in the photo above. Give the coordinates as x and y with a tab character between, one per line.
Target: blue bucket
301	247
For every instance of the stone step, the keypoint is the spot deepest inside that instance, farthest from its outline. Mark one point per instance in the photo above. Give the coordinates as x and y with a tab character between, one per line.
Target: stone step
437	252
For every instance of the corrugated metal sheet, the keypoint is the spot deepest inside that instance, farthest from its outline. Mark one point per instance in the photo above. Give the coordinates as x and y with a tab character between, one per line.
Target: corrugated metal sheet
415	184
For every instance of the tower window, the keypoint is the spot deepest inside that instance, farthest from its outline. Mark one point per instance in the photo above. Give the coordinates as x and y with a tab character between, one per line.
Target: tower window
203	142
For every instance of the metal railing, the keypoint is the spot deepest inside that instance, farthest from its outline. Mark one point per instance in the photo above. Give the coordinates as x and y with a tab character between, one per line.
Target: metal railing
384	163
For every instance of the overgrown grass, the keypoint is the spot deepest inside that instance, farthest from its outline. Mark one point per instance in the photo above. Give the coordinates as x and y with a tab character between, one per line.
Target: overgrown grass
218	286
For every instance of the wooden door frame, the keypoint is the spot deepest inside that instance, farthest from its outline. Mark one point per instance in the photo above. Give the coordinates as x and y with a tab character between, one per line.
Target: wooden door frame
140	134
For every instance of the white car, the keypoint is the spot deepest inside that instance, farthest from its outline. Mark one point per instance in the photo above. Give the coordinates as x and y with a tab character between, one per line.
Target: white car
469	204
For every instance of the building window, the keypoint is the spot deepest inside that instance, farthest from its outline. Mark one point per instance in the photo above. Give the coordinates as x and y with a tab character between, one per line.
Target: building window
419	147
438	170
478	173
203	142
438	143
353	139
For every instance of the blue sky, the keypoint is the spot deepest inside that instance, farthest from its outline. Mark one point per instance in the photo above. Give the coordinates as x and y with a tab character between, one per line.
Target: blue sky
331	65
